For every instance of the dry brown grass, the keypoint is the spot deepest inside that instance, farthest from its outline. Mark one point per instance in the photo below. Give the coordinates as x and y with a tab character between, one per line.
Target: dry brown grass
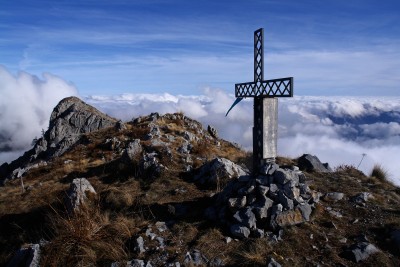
380	173
87	238
253	252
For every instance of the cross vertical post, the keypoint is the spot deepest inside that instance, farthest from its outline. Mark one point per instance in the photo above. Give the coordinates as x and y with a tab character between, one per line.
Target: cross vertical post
265	93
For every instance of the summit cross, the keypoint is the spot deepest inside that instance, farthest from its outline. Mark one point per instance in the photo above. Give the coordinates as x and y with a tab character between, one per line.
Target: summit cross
265	94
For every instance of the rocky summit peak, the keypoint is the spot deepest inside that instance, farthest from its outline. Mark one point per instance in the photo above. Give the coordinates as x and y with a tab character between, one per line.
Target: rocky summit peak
72	117
69	120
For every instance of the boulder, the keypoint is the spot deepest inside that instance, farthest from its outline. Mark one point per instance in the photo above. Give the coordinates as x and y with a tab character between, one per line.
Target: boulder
311	163
219	170
79	192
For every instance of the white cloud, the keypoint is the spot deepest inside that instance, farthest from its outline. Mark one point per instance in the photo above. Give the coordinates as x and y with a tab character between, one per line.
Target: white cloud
25	106
336	129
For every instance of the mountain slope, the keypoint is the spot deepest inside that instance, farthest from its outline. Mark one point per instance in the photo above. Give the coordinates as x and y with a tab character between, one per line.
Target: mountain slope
155	177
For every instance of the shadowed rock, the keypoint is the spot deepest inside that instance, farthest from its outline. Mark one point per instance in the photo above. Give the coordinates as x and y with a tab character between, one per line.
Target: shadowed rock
311	163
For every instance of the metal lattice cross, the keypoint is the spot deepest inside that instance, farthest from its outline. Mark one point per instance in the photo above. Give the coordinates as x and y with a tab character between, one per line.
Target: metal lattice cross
264	88
265	93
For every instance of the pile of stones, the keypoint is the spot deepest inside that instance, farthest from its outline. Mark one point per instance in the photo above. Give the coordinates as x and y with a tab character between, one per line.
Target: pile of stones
252	206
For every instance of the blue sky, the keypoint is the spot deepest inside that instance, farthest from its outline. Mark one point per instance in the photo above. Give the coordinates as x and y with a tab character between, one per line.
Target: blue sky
331	47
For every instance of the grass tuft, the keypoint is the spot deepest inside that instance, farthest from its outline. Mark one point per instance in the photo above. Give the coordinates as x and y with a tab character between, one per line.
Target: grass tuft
379	173
87	238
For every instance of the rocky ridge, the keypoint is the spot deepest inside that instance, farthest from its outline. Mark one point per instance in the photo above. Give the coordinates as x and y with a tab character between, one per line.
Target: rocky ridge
182	196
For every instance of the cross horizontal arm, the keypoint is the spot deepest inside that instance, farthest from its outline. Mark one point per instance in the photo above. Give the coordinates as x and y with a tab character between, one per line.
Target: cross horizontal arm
269	88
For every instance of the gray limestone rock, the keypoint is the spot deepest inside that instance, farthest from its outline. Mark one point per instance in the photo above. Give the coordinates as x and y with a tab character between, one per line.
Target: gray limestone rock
282	176
262	207
310	163
195	258
212	131
28	256
78	194
237	202
217	170
72	117
360	251
133	150
269	168
286	202
135	263
246	217
240	231
305	210
190	136
334	196
139	245
273	263
361	197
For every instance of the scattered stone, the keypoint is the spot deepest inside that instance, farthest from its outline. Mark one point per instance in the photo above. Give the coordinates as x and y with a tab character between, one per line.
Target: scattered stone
273	263
212	131
133	150
161	226
186	148
311	163
79	192
27	256
195	258
237	202
135	263
361	198
290	217
240	231
334	196
139	245
360	251
246	217
190	136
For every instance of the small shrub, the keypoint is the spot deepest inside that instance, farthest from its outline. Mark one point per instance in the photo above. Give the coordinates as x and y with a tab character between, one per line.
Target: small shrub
379	173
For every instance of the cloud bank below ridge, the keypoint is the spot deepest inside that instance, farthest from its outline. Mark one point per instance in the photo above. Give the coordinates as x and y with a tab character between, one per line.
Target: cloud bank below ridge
339	130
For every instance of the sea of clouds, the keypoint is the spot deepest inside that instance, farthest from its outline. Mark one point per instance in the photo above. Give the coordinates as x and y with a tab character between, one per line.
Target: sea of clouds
339	130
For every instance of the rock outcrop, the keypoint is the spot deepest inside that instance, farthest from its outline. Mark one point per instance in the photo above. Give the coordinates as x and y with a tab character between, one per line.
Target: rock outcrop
69	120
